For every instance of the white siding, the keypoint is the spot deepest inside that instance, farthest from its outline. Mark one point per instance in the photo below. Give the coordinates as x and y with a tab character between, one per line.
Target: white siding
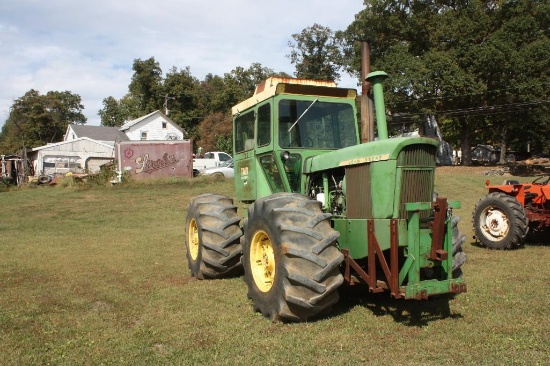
153	127
71	135
78	153
93	164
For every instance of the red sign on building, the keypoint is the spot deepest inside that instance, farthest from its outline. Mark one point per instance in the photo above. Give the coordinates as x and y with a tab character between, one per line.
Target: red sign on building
155	159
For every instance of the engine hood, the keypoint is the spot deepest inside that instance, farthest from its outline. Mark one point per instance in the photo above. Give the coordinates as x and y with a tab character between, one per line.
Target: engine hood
364	153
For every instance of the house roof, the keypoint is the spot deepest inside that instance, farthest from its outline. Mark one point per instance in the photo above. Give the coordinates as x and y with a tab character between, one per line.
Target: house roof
134	122
101	133
70	142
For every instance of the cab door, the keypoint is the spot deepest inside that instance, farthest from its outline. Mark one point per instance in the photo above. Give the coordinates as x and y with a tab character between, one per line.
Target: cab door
243	147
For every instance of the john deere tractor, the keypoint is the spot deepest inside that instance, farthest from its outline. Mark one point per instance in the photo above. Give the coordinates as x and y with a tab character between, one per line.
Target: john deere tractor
322	209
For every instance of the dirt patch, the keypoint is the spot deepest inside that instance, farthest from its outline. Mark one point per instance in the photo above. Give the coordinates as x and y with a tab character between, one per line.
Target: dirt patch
473	170
101	306
517	170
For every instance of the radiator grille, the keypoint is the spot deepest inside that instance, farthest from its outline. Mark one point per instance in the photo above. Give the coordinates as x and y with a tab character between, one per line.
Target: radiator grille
358	186
416	186
417	155
416	162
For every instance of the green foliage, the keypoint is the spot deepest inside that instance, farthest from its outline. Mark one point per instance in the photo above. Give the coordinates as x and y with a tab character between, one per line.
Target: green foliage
211	94
316	53
240	83
144	96
190	102
482	67
106	176
112	114
224	143
180	93
36	119
146	85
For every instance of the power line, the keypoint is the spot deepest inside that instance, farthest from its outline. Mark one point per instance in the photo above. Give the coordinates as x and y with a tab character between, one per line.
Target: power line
541	84
475	111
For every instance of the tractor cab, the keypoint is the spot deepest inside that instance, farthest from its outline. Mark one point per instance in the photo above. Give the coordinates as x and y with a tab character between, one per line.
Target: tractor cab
286	122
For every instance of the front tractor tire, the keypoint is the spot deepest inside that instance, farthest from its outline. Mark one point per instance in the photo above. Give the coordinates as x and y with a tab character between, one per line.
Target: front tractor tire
291	262
212	237
500	221
459	257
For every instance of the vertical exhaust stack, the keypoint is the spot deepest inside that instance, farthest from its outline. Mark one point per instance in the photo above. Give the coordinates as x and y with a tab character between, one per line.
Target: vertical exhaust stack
367	127
376	79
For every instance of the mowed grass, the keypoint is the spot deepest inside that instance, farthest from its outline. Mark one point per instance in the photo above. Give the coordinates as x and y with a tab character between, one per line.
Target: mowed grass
99	276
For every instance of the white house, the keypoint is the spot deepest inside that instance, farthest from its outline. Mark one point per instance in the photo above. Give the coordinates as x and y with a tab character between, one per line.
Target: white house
71	156
86	148
155	126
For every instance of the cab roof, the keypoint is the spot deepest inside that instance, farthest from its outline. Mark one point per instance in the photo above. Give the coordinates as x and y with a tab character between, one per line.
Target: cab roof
276	85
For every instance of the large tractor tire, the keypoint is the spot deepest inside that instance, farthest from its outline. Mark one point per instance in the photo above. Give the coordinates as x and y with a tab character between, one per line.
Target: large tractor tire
212	237
291	262
459	257
500	221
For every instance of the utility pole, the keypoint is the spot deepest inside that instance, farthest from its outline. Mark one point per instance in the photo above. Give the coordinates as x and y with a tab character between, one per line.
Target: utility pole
166	97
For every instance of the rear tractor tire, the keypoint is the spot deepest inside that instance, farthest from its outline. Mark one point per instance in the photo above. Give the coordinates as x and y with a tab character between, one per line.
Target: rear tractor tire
500	221
212	237
290	258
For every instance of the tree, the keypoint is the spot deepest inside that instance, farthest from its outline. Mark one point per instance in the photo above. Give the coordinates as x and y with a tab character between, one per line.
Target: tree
240	83
144	95
211	94
112	114
188	100
316	53
215	130
216	97
479	65
180	95
146	85
36	119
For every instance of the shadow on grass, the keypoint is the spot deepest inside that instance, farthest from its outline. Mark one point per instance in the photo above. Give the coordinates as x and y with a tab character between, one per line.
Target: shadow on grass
413	313
537	239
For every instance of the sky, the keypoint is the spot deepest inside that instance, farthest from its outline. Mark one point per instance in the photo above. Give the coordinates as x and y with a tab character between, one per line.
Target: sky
88	47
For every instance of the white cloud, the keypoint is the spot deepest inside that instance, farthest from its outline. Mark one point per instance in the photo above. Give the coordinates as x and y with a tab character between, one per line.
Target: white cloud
88	47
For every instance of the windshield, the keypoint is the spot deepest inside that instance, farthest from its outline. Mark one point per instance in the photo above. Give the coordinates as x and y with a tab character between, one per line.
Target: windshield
227	163
315	124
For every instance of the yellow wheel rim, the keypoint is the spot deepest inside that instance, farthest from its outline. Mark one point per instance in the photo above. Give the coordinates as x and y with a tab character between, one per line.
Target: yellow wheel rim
262	261
193	239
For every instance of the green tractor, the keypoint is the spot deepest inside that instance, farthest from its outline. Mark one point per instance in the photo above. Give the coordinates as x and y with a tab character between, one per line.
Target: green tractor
320	208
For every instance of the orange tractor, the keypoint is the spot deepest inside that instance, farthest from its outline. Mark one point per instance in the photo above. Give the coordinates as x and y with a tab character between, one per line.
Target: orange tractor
503	218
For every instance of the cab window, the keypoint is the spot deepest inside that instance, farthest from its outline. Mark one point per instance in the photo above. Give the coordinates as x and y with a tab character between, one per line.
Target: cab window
244	132
264	125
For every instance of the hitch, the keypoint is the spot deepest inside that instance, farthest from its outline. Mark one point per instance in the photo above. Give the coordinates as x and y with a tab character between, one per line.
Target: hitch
437	252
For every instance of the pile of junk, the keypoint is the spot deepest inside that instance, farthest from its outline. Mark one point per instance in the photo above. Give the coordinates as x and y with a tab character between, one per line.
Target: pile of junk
15	169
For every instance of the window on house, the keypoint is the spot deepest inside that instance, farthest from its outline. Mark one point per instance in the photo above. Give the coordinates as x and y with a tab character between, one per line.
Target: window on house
164	124
144	135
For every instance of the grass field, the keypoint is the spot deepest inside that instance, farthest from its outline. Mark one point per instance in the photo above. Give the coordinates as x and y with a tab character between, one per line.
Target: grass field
97	275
